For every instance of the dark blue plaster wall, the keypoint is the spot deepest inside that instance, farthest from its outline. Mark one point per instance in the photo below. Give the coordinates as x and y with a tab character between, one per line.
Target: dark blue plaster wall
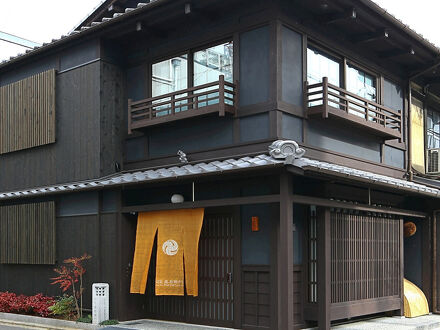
254	66
256	245
343	139
292	67
413	255
190	135
292	128
254	128
394	157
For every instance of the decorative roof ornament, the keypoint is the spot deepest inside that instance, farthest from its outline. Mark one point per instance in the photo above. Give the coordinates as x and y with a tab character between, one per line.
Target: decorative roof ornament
182	157
288	150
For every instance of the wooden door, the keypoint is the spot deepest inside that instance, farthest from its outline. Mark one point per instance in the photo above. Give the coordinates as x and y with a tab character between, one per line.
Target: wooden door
215	304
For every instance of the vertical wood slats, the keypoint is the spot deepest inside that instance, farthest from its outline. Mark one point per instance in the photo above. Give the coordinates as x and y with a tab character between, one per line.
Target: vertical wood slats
27	233
365	257
27	112
215	302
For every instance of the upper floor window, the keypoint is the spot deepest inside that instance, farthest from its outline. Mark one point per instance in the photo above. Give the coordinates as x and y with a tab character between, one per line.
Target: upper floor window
361	83
207	65
212	62
321	65
433	129
170	75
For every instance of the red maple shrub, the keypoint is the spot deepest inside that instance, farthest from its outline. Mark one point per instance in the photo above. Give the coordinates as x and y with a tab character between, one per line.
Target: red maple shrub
31	305
69	274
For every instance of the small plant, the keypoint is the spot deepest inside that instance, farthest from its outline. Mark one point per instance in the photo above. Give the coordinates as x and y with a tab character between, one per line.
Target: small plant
64	307
87	319
109	322
69	275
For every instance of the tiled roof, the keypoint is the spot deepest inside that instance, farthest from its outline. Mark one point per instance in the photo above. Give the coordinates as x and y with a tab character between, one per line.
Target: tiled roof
146	3
281	153
306	163
150	175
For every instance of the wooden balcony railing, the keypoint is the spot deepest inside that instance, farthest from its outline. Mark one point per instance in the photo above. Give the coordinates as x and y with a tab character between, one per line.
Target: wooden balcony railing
328	100
219	96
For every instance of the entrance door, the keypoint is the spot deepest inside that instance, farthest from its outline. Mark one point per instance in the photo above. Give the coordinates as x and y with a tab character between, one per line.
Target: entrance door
218	278
215	303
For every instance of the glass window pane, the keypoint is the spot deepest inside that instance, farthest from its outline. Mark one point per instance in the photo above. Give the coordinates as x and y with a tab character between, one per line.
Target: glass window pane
320	65
212	62
361	83
170	75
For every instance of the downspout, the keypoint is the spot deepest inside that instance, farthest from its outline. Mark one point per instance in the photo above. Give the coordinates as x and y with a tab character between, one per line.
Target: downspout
410	171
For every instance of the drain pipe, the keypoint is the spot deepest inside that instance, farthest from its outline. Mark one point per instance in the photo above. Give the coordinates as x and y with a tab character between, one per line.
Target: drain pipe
409	121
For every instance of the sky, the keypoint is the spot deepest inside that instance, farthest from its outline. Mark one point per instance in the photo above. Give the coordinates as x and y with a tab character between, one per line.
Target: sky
43	20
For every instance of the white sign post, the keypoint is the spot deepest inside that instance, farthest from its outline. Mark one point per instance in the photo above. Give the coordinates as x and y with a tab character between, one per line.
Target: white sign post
100	302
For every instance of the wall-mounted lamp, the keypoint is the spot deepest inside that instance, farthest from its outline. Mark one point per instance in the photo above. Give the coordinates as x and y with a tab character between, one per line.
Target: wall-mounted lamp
176	198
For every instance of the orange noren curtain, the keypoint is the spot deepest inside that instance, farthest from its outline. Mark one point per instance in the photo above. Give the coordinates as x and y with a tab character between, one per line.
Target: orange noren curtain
178	233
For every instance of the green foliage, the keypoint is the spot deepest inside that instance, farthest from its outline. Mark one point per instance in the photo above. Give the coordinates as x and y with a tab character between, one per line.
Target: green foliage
87	319
109	322
64	306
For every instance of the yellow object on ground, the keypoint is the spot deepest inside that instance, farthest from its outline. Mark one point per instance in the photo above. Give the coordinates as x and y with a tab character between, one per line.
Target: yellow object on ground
415	303
178	233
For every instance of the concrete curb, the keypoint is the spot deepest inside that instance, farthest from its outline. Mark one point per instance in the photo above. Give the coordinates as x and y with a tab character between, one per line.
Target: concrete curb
42	322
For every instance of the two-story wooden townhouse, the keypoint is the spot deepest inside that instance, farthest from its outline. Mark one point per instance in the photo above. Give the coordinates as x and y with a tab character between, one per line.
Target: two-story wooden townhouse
286	122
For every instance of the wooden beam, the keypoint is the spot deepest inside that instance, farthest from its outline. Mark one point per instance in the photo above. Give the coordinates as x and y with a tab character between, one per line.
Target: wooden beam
300	199
371	36
350	14
324	268
264	199
285	254
397	53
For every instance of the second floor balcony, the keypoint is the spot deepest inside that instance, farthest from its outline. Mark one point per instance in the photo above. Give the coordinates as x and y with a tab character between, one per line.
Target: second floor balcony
324	100
215	97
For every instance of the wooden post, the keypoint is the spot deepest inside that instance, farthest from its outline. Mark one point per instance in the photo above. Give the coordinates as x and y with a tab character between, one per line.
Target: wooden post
305	98
221	95
129	116
324	268
285	254
402	264
434	262
236	97
173	104
325	97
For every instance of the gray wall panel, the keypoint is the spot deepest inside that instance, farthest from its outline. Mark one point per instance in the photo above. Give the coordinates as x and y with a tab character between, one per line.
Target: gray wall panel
135	148
394	157
136	83
254	66
292	127
79	54
291	67
253	128
190	135
392	95
329	135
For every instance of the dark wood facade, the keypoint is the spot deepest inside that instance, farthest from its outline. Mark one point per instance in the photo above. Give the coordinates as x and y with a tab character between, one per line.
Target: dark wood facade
329	248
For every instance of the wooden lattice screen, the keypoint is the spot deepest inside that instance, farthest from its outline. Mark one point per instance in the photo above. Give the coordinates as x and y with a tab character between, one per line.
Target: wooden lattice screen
27	233
27	112
365	257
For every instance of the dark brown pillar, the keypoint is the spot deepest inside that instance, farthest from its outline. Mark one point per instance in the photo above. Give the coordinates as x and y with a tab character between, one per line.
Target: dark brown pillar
324	268
285	254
